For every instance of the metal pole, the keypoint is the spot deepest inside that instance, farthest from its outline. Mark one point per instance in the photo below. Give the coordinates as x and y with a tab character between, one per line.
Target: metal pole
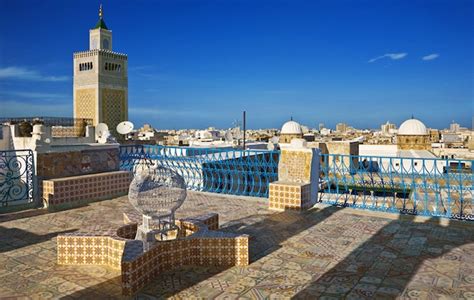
244	121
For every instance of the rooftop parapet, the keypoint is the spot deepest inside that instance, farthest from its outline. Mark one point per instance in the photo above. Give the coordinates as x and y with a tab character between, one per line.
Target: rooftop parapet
102	52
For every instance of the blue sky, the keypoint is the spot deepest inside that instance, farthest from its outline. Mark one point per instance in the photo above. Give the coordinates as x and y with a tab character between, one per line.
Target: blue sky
194	64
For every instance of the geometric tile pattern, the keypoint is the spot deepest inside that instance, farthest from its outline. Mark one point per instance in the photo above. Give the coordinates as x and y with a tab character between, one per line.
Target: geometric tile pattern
62	131
85	105
73	191
114	108
321	253
295	165
200	244
80	249
289	196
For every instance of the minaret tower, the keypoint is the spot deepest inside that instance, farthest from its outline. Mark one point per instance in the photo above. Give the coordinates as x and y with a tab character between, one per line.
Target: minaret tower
101	79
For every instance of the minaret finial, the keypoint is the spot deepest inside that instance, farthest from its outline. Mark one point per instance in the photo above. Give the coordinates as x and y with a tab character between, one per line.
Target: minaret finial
412	116
291	118
100	11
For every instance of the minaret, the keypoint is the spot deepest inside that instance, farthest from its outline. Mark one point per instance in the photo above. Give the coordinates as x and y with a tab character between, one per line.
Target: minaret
101	79
100	37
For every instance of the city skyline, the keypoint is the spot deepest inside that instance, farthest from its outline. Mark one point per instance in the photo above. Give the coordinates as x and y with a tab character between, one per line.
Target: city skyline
363	67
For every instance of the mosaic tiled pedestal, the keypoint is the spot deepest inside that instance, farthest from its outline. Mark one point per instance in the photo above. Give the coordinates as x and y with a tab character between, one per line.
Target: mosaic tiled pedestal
298	175
289	196
199	243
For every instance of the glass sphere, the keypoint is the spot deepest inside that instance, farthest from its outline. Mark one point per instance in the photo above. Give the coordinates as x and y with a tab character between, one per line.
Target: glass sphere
157	191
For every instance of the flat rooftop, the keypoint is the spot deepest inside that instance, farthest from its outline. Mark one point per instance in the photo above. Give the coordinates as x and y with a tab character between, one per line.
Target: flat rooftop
326	251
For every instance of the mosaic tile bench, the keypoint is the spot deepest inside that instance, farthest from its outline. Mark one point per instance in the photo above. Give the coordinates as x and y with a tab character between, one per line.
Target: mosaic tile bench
66	192
199	243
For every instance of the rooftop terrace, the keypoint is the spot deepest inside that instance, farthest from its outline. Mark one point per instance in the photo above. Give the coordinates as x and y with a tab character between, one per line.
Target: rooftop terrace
326	251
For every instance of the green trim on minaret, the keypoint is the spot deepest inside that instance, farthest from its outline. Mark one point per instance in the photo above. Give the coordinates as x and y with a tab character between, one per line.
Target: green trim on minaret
100	23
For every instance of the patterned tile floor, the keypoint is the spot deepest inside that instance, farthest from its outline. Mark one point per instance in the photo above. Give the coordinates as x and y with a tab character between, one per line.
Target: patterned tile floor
327	253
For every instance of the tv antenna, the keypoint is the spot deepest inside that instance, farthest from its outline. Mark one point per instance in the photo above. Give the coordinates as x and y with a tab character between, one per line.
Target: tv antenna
228	136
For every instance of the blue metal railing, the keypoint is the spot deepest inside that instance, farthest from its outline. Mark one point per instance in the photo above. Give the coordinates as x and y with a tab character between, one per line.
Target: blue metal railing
424	186
16	177
228	171
431	187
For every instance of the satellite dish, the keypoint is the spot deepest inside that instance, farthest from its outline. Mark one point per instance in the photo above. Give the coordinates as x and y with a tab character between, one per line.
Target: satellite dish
100	130
125	127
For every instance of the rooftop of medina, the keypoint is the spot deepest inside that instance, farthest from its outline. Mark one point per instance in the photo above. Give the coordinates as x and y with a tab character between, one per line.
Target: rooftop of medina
304	219
324	251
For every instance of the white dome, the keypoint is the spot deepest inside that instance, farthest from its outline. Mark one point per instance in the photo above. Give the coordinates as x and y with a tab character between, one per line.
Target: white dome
412	127
291	127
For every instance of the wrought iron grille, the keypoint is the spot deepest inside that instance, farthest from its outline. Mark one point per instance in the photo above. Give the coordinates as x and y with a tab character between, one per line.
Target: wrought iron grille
16	177
430	187
228	171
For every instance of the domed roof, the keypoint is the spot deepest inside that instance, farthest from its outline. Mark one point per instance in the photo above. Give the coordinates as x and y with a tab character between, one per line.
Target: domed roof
291	127
412	127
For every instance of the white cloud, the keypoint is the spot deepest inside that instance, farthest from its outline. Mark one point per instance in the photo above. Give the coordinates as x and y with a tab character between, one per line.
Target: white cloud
36	95
12	108
430	57
26	74
392	56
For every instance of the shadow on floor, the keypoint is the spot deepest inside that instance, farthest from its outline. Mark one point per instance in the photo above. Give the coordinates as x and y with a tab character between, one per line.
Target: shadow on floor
267	231
383	266
9	216
109	289
15	238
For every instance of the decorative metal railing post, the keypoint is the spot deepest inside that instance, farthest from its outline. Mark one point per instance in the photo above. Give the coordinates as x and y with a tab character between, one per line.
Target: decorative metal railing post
461	197
448	183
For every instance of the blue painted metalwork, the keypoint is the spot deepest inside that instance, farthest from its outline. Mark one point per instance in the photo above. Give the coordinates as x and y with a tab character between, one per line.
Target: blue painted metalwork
228	171
16	177
430	187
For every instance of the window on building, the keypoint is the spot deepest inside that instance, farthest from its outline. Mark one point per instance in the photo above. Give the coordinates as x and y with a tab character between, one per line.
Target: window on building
85	66
113	67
